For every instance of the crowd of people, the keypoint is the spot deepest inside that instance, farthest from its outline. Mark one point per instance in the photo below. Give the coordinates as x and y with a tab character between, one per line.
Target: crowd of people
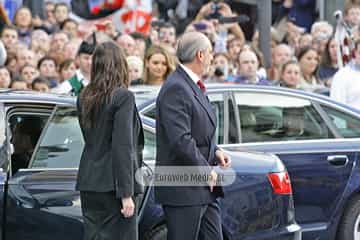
97	64
54	54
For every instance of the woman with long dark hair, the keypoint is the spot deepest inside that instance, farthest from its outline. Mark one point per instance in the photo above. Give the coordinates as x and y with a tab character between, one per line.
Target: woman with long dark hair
309	61
113	145
328	65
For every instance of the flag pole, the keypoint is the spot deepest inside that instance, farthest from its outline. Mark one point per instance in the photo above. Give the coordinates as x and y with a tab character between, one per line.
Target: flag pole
339	37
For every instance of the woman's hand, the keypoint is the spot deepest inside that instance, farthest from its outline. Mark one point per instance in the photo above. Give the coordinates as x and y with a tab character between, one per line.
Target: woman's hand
204	11
225	10
128	207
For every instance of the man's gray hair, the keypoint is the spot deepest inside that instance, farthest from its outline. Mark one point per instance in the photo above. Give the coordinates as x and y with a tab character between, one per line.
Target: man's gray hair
189	44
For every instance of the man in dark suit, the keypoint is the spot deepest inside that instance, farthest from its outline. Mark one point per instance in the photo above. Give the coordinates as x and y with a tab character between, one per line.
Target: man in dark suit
185	131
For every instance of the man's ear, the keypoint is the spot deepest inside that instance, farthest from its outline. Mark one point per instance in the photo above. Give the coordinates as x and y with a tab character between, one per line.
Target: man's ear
200	55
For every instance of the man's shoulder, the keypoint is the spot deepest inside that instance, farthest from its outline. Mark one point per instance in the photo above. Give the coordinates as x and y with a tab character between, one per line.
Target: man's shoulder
172	86
174	80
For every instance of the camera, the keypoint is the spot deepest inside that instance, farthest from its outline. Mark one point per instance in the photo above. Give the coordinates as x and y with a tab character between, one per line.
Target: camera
157	23
338	15
215	10
219	72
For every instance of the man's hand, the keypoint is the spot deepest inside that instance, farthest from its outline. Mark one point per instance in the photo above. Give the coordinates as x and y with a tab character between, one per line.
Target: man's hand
128	207
212	180
223	159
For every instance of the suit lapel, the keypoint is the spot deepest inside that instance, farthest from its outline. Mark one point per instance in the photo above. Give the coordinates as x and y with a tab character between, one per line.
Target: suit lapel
200	96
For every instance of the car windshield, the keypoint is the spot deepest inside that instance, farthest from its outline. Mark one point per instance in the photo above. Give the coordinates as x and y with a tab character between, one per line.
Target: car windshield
61	143
144	93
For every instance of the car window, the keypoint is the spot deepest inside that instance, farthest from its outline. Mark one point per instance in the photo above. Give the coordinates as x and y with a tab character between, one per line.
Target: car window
25	131
3	138
347	125
217	102
233	128
270	117
149	152
144	93
150	112
62	142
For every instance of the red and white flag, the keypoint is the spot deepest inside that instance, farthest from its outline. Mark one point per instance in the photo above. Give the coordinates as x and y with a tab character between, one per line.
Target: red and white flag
127	15
134	16
344	41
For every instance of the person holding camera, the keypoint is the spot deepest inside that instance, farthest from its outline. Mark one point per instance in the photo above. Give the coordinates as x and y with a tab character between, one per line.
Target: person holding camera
220	69
167	34
221	14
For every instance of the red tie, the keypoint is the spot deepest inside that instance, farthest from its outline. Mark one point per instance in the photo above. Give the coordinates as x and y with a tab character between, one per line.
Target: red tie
201	85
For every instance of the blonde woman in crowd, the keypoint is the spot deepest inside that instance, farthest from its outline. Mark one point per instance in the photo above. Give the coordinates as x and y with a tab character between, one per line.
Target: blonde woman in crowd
136	68
328	64
158	64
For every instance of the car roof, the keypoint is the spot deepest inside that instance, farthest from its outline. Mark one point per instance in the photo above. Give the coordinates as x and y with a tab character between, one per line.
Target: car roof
214	87
146	89
151	92
11	95
320	97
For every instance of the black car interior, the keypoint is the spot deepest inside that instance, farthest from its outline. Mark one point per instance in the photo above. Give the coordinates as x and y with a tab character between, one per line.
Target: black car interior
25	133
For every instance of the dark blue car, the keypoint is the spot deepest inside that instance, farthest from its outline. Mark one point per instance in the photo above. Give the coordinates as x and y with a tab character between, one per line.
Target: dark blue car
317	139
40	147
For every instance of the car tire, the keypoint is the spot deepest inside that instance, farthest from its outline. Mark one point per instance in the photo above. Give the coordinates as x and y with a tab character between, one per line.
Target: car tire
158	233
349	227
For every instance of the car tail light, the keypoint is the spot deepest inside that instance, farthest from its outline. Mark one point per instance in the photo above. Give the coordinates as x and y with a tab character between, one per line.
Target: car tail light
280	182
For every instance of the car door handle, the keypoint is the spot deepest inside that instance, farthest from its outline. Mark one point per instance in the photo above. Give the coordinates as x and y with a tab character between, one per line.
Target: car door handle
338	160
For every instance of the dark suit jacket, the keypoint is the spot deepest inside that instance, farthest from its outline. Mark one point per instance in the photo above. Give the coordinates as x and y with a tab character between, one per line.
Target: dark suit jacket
185	131
113	149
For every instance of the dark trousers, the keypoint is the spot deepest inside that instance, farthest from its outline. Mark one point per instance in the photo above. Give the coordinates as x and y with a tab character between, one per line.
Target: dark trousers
201	222
103	219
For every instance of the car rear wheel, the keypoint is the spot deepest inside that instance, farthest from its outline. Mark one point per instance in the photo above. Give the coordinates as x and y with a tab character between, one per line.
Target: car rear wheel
350	224
158	233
